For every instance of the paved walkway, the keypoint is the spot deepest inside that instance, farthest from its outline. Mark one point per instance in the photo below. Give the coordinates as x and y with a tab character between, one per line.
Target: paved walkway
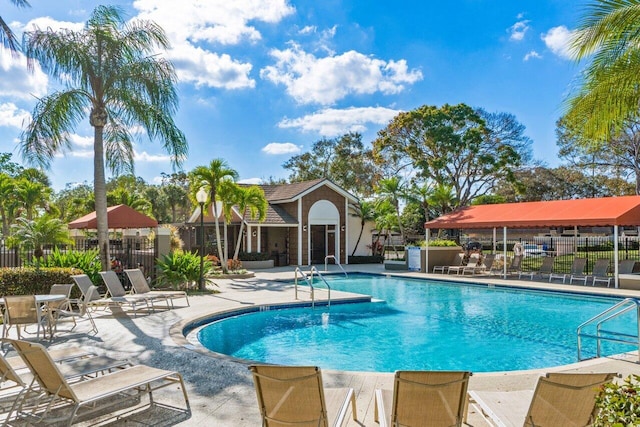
221	390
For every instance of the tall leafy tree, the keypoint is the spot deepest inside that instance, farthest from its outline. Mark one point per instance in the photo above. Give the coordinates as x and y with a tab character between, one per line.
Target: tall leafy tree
608	37
34	234
7	189
7	38
392	189
211	178
31	195
343	160
451	145
112	70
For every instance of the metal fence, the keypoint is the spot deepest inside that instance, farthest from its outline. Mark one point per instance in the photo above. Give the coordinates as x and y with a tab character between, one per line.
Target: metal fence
565	249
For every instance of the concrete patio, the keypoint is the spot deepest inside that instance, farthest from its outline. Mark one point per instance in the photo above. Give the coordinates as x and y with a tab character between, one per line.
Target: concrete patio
221	389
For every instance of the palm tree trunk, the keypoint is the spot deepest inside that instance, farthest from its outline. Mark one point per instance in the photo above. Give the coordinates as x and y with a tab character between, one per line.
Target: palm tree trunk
100	192
359	237
223	261
237	250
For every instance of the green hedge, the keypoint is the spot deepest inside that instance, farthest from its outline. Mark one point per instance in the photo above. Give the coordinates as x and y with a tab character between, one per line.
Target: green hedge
367	259
31	281
253	256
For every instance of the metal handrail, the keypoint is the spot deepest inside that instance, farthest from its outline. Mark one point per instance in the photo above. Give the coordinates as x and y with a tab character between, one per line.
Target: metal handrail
306	279
612	312
314	269
326	264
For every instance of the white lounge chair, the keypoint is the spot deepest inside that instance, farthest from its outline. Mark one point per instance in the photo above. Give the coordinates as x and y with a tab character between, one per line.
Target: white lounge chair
577	269
141	287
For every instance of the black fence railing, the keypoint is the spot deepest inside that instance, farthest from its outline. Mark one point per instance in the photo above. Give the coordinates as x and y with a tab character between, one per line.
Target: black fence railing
565	249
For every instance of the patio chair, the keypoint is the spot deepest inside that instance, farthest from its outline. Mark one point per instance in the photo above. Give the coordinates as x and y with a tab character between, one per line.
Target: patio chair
12	387
84	283
52	307
577	269
471	263
514	266
626	266
600	272
546	269
457	262
117	294
294	395
559	399
93	394
23	310
423	398
82	310
486	265
141	287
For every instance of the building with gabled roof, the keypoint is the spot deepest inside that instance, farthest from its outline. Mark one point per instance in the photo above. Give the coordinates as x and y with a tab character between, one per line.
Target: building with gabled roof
306	222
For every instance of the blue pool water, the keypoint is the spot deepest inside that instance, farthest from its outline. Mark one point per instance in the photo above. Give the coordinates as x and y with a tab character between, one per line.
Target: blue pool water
419	324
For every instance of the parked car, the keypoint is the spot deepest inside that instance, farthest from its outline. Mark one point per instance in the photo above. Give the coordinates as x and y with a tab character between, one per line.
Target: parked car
532	250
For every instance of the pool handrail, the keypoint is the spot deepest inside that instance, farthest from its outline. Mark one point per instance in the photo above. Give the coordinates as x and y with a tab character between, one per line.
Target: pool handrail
326	264
612	312
314	269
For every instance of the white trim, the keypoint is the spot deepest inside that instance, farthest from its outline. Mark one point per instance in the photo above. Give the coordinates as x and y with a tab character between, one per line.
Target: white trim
504	252
346	232
249	239
259	238
326	182
616	256
300	225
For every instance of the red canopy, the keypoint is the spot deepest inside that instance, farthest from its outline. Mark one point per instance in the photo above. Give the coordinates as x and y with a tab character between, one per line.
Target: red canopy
605	211
120	216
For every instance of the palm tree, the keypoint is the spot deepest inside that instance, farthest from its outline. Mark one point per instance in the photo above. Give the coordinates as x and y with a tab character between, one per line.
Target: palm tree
366	212
392	190
7	188
35	234
7	38
253	204
609	35
111	69
211	178
31	195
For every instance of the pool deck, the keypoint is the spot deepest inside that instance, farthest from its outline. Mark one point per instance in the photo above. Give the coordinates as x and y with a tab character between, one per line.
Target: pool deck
221	389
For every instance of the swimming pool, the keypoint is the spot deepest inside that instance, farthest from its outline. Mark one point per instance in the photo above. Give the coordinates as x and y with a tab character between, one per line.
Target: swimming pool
418	324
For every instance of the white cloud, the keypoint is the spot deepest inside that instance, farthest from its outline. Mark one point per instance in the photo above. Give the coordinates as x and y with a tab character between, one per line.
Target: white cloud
16	81
204	68
83	154
250	181
518	30
309	29
82	141
331	122
557	40
276	148
309	79
45	22
532	54
12	116
151	158
193	26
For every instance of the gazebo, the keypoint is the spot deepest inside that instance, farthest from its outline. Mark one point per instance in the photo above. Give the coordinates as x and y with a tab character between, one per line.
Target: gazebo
597	212
118	217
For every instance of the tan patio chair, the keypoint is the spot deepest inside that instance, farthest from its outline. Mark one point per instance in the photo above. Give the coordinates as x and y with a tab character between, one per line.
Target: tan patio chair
444	269
12	387
546	269
117	294
141	287
22	310
82	310
471	263
94	394
560	399
423	398
577	269
600	272
294	395
485	266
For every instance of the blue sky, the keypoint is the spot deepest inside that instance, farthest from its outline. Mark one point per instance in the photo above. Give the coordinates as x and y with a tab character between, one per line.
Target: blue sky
262	80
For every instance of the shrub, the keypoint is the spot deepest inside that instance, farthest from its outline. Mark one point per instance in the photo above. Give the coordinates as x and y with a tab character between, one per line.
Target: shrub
87	261
619	404
366	259
181	269
31	281
439	242
253	256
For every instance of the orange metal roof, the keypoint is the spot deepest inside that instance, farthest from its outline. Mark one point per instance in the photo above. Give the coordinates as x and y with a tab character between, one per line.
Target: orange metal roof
120	216
606	211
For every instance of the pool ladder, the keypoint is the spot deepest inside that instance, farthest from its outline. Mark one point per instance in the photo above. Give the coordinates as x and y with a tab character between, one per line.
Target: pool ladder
333	257
613	312
309	279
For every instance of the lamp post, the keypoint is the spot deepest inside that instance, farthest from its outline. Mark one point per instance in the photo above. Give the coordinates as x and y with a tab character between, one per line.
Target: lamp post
201	197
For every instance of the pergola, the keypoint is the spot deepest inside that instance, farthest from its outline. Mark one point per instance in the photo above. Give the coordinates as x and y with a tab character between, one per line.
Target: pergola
597	212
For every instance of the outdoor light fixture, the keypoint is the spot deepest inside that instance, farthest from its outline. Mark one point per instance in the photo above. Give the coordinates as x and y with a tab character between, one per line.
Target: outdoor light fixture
201	198
342	228
254	233
304	227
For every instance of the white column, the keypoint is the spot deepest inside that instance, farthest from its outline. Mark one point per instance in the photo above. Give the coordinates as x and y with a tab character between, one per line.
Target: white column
494	239
504	251
248	237
616	277
300	225
346	232
426	255
259	229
